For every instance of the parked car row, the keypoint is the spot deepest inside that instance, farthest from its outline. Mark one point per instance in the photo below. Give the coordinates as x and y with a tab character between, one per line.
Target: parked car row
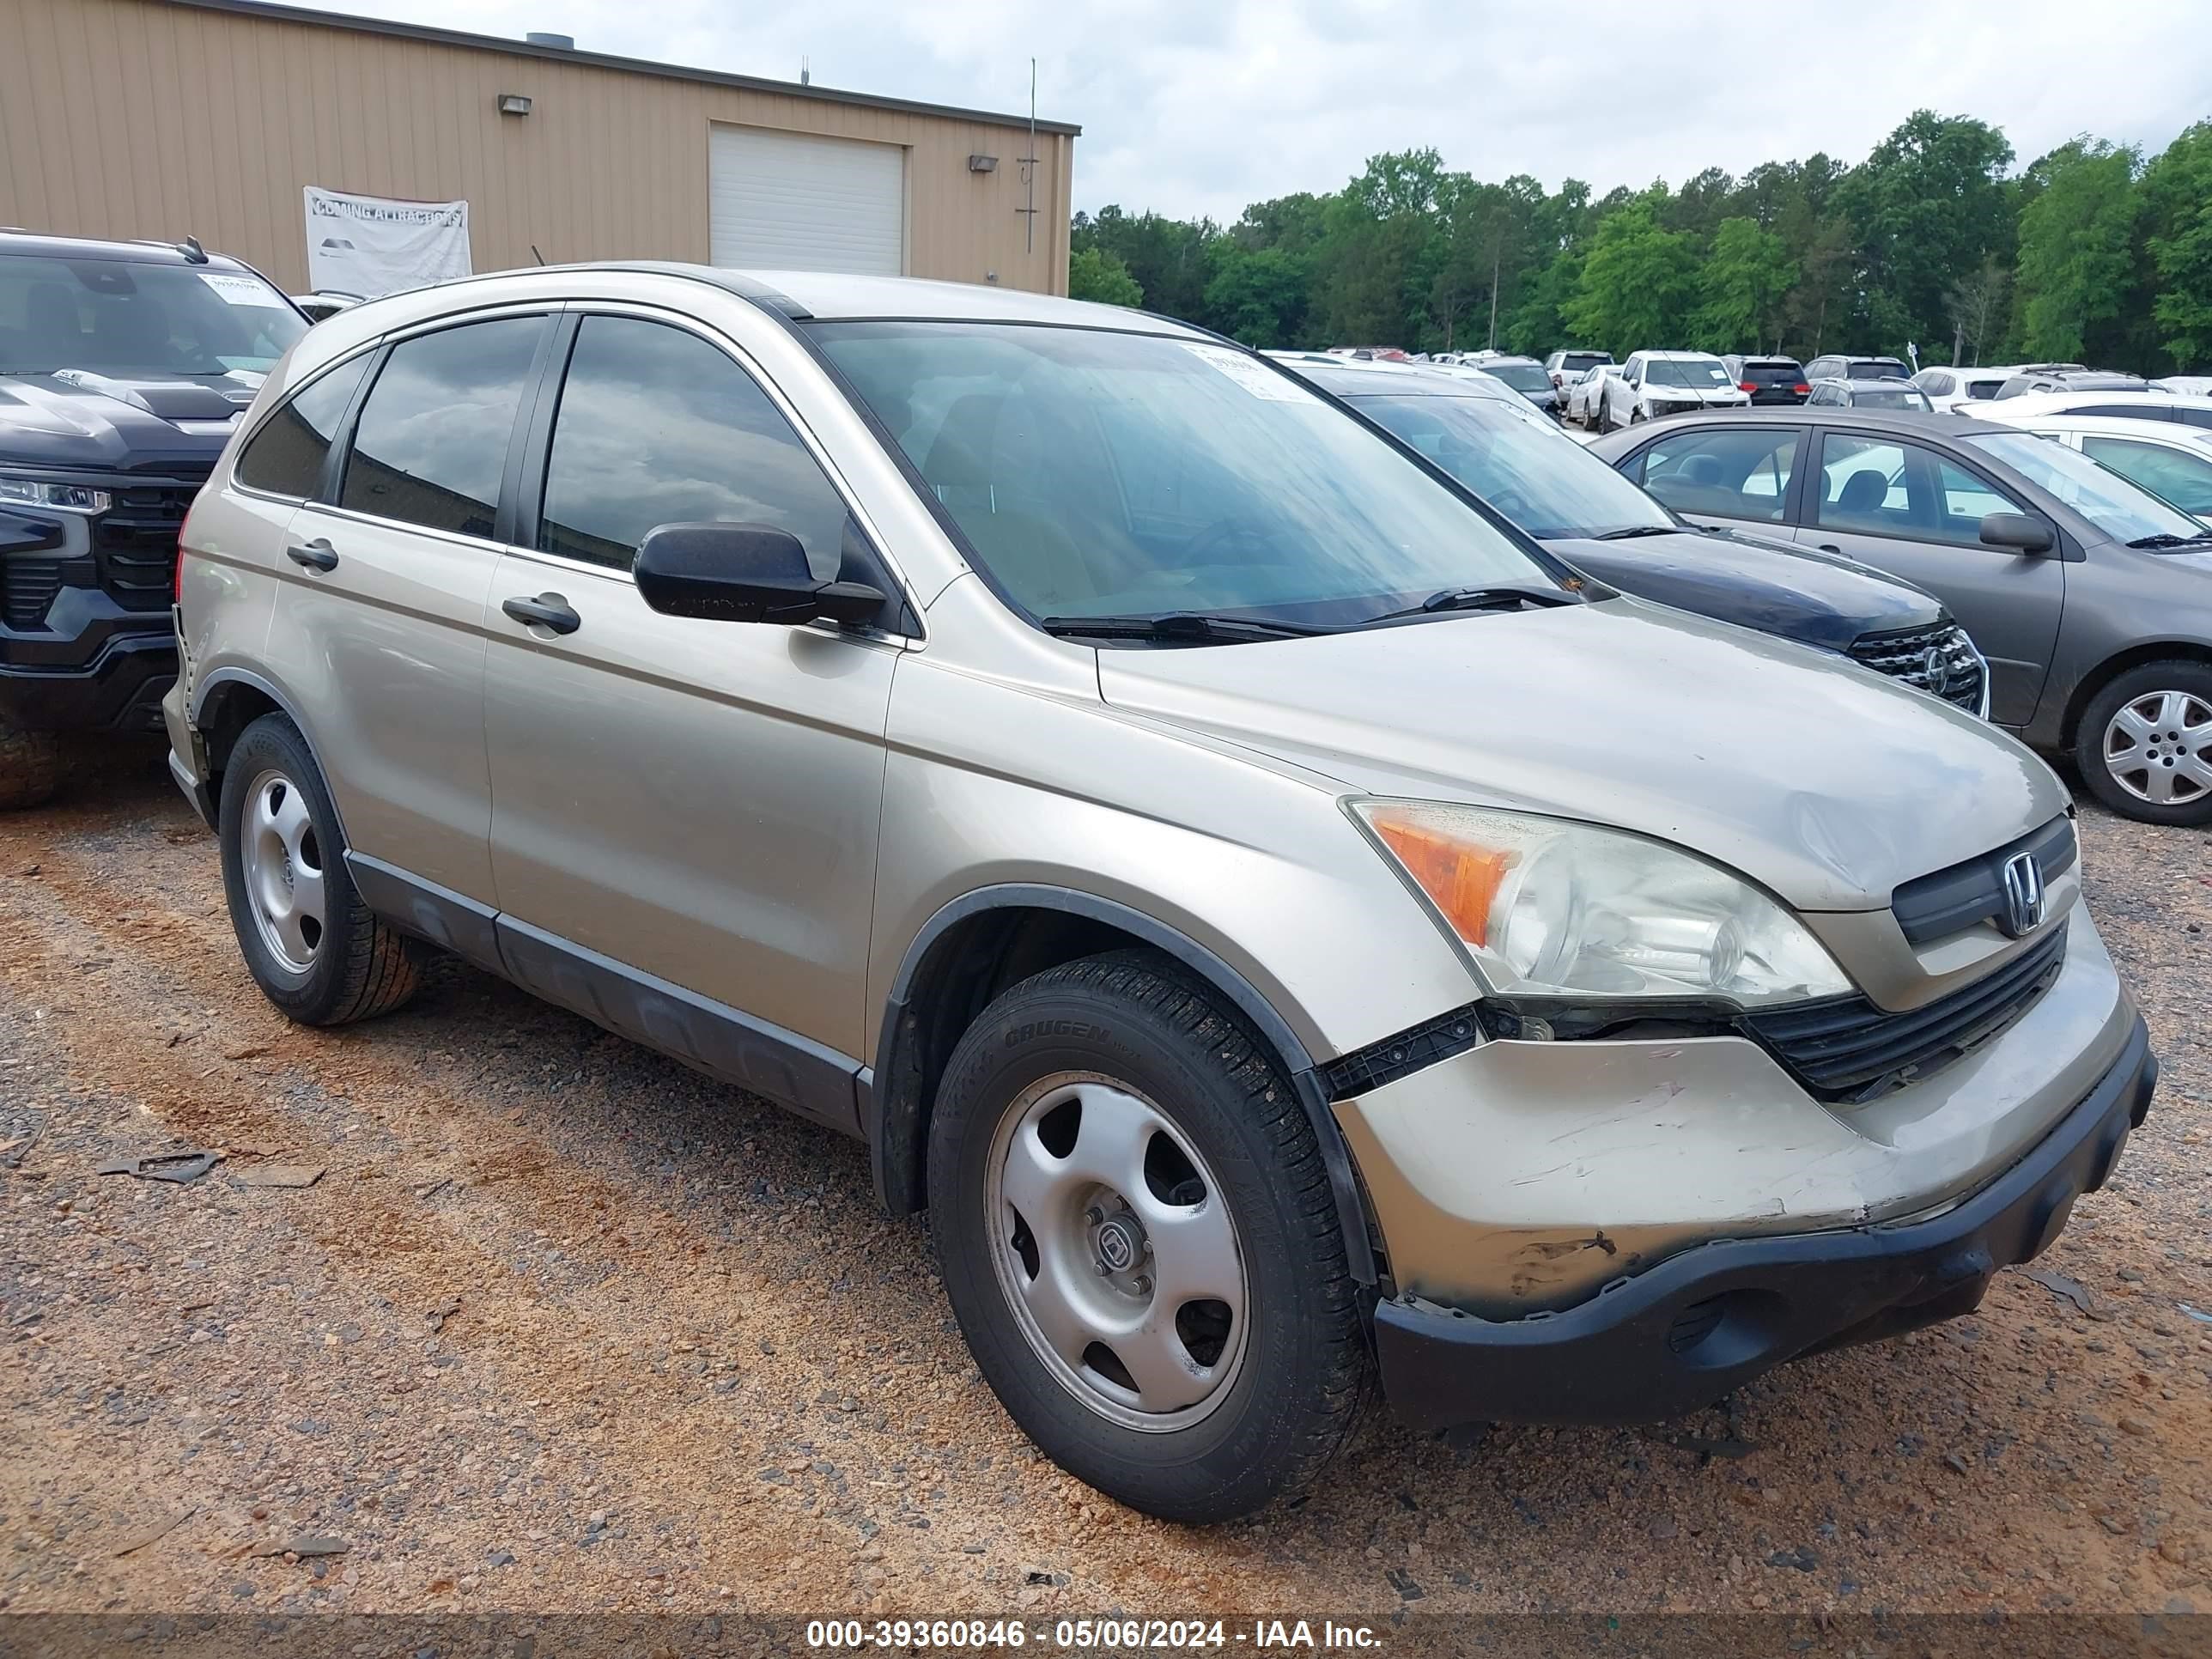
1212	828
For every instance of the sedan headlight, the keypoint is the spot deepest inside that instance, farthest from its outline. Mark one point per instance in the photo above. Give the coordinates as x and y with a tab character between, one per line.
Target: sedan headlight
1554	908
47	492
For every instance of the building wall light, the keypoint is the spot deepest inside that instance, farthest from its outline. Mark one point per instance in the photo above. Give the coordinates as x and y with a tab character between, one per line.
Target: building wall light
982	164
514	103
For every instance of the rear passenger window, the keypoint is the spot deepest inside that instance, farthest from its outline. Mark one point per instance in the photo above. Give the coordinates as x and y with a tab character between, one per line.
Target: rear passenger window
1731	474
2193	416
431	442
657	426
285	457
2129	412
1862	486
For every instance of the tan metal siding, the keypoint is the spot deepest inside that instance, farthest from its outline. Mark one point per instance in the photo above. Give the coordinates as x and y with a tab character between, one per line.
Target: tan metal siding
138	118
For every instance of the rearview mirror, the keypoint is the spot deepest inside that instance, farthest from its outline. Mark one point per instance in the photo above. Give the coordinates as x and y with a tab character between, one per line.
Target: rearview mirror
2018	531
747	573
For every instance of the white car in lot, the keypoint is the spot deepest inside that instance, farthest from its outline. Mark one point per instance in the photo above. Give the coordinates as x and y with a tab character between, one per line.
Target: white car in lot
1653	385
1951	387
1583	394
2180	407
2172	459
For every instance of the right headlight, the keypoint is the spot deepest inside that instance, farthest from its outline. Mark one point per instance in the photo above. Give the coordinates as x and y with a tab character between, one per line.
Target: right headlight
1551	907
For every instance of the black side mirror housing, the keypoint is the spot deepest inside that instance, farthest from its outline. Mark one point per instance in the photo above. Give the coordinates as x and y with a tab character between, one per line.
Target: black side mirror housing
2017	530
747	573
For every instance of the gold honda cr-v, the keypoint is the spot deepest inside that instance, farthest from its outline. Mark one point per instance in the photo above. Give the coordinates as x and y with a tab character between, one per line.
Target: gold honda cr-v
1286	929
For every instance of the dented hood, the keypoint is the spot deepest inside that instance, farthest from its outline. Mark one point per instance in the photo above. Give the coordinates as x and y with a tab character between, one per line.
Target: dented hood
1822	782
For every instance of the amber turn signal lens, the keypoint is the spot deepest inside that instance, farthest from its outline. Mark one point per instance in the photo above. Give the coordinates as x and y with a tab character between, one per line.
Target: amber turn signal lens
1461	877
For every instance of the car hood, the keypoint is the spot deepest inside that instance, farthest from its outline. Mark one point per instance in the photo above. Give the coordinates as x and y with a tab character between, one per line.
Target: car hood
1826	784
121	422
1810	597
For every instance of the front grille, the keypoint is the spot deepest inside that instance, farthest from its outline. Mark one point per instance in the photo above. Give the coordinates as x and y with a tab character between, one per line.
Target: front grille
1941	660
1934	906
136	541
27	588
1847	1049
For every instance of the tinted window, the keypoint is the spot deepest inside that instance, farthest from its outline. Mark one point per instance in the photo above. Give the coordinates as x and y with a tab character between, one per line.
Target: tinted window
432	439
286	456
1522	377
1878	369
1732	474
1901	396
2184	478
657	426
1702	372
2128	411
1980	391
110	315
1575	361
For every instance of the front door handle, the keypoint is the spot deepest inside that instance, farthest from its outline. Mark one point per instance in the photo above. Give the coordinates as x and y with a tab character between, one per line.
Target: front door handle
1830	547
546	610
317	555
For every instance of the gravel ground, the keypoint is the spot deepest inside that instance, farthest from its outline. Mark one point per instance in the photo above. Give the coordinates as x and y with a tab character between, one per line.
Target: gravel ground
561	1325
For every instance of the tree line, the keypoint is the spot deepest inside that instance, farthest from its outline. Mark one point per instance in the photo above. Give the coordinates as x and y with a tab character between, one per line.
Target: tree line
2094	253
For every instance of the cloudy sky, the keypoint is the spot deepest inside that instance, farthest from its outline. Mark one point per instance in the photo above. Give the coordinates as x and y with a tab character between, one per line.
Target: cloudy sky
1196	107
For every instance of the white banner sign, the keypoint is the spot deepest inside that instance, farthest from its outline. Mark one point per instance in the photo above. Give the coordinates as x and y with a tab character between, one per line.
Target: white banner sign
368	246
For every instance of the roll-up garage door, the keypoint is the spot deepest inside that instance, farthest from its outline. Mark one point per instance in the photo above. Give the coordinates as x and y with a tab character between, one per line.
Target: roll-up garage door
790	201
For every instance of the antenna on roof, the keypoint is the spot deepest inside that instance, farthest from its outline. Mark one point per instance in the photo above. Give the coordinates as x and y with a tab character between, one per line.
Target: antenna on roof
805	71
190	248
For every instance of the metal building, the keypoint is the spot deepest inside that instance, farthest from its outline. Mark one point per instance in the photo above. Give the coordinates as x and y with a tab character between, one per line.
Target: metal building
209	117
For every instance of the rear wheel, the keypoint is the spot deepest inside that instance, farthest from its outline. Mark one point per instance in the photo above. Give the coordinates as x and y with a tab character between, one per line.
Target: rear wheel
1599	424
316	951
30	767
2145	744
1136	1230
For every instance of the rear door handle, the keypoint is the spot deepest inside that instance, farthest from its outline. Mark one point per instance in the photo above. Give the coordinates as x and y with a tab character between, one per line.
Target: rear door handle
317	555
546	610
1830	547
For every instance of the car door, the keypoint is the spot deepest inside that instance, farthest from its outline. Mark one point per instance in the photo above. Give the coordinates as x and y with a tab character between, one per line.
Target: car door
685	812
379	629
1723	475
1906	509
1618	395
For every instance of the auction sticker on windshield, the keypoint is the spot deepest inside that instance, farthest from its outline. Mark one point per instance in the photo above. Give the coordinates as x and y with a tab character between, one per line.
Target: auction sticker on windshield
1254	377
241	290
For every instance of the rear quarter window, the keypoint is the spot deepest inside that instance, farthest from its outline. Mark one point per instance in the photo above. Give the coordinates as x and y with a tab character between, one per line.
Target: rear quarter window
286	456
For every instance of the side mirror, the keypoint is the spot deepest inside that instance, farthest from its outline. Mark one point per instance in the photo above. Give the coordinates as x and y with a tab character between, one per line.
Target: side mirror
2018	531
747	573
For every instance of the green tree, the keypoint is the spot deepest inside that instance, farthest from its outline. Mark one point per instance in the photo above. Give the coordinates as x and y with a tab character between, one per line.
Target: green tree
1928	204
1638	284
1746	277
2177	196
1095	274
2076	247
1257	296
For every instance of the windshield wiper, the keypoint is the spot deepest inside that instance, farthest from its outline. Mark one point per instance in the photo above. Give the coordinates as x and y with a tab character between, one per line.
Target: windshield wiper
1628	532
2164	540
1177	626
1504	597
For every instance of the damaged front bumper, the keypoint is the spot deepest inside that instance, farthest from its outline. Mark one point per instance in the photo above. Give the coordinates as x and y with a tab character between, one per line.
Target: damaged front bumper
1683	1334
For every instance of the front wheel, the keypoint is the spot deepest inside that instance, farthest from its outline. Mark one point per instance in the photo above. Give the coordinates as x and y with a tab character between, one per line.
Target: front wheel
1135	1228
30	767
316	951
2145	744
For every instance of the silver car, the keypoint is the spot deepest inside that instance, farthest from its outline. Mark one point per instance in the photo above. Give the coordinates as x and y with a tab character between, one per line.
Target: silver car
1286	929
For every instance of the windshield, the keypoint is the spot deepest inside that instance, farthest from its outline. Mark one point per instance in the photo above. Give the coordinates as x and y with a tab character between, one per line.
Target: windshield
1575	362
110	315
1542	480
1703	373
2118	508
1104	474
1899	397
1522	377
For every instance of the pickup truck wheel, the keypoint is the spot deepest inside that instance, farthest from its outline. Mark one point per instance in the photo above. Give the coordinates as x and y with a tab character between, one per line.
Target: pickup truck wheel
30	767
316	951
1135	1228
2145	744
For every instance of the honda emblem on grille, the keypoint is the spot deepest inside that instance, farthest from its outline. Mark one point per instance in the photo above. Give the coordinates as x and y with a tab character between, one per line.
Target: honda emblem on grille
2023	894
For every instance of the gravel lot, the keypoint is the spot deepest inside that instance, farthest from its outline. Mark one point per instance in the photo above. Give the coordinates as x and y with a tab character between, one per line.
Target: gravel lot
561	1325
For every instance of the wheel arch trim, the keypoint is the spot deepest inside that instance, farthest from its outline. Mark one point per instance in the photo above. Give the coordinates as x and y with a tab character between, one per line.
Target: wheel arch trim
897	1146
204	691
